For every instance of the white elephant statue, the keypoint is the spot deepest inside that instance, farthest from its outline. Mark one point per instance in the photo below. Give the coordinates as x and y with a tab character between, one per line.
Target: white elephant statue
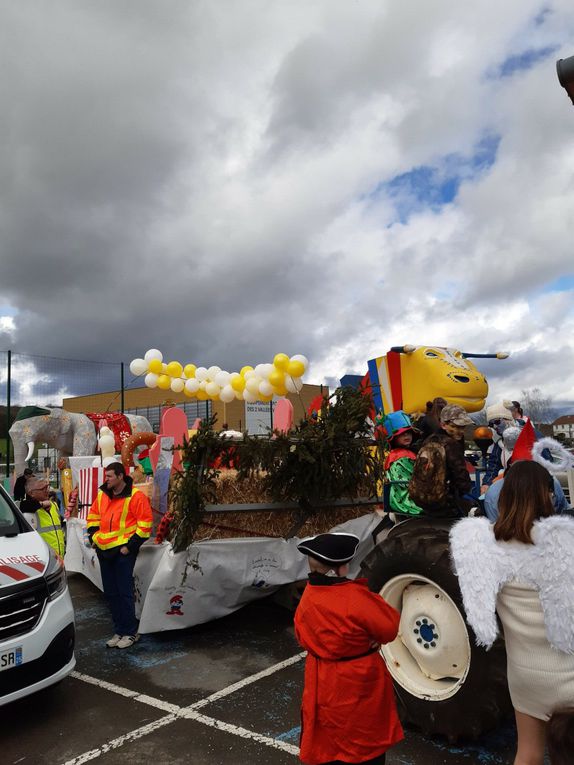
70	433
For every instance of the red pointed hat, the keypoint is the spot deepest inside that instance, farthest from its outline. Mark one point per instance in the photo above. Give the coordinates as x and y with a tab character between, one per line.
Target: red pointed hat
524	443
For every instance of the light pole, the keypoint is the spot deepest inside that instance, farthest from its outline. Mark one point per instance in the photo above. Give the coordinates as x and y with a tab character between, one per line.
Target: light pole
565	71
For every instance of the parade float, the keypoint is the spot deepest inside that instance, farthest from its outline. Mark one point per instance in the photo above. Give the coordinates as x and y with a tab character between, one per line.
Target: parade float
230	509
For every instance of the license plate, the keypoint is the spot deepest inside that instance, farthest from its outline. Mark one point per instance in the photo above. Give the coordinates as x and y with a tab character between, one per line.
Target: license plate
11	658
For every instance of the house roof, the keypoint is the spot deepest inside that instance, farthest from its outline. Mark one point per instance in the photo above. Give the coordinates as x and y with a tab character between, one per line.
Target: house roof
566	419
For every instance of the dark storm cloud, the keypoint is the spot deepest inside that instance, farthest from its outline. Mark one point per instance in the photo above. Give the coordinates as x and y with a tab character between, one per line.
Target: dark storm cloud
198	177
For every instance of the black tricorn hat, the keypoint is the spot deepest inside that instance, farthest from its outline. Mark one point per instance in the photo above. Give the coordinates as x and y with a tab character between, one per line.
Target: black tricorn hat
336	548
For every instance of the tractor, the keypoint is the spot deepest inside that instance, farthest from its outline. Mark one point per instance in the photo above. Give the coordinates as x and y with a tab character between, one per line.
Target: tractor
444	683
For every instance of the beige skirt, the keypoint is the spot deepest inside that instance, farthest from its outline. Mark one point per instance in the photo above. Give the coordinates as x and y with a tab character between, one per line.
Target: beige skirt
540	678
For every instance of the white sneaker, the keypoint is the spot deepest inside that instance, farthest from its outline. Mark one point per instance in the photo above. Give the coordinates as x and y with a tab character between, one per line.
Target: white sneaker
127	641
113	641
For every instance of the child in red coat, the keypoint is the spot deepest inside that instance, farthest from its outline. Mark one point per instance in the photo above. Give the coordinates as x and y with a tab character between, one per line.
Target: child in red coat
348	712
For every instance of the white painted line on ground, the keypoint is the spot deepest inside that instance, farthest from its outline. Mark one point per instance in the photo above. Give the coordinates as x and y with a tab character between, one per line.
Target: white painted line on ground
151	701
235	730
247	681
121	740
188	713
104	684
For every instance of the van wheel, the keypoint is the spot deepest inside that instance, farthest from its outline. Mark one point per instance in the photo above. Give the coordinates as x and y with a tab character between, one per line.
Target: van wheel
444	683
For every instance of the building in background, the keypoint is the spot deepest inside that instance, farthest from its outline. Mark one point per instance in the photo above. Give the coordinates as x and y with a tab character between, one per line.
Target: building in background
563	428
256	418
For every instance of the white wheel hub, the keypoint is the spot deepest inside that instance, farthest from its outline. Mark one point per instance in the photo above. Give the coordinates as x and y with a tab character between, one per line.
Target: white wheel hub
430	657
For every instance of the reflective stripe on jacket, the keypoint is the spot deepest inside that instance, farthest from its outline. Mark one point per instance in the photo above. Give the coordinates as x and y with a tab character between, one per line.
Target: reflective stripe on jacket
50	527
119	518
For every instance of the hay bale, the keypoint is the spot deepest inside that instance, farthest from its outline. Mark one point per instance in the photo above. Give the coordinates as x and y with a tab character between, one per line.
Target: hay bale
264	523
274	523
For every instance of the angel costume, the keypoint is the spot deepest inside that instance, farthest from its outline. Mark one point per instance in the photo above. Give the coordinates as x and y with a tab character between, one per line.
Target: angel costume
531	587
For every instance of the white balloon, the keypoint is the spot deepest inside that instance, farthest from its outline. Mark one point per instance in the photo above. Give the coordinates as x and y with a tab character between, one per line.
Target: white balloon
177	384
303	359
252	385
267	369
212	389
227	394
293	384
260	370
265	388
201	374
222	378
239	395
212	371
153	353
251	398
248	374
164	368
192	385
138	367
151	380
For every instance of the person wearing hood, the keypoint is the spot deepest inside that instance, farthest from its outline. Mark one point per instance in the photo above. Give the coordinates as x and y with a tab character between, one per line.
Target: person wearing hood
119	522
499	418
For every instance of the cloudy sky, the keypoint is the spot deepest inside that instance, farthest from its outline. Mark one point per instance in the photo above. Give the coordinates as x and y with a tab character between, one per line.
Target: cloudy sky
227	180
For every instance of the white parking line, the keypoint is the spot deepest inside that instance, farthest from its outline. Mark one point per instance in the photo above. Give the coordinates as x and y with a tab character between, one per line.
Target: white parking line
189	713
121	740
248	680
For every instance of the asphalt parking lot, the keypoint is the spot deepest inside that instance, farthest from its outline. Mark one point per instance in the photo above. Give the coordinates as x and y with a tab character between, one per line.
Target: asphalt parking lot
222	693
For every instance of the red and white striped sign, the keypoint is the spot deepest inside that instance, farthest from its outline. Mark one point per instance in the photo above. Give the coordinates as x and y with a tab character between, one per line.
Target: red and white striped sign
90	481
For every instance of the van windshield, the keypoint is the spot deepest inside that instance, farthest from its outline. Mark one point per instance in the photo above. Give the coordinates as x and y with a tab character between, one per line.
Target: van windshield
8	521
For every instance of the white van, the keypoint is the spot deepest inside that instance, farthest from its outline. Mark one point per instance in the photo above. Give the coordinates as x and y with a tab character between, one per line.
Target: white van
37	632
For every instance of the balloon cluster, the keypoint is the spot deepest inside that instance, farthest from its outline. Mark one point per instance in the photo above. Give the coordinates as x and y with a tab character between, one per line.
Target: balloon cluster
251	384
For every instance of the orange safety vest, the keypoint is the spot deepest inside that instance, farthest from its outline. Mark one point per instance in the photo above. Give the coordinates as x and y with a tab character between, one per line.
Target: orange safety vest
118	522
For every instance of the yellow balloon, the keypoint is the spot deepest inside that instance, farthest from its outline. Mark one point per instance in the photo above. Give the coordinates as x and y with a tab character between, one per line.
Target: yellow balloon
245	369
281	361
189	370
164	382
295	368
238	383
155	366
202	395
277	378
265	398
174	369
280	390
188	394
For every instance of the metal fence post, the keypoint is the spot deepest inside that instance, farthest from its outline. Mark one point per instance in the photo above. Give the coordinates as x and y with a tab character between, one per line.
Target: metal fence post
122	406
8	412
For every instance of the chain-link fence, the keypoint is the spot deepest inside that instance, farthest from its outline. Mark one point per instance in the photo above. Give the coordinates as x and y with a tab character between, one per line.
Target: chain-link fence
29	380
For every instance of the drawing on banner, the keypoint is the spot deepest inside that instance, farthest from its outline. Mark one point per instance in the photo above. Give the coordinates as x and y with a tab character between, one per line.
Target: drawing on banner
262	568
175	606
191	562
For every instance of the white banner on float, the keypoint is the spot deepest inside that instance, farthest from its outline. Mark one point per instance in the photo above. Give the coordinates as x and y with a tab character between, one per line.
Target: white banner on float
212	578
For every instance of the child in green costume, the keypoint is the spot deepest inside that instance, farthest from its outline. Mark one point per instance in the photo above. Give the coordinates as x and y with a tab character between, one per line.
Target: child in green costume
400	462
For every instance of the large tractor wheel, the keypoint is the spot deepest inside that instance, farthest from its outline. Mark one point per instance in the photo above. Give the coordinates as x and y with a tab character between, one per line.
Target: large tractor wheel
444	683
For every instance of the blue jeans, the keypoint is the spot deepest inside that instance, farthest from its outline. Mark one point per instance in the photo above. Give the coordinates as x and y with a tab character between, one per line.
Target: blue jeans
117	579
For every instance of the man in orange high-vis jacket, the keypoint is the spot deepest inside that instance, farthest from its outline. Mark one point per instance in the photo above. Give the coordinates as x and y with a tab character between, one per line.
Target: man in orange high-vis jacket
119	522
